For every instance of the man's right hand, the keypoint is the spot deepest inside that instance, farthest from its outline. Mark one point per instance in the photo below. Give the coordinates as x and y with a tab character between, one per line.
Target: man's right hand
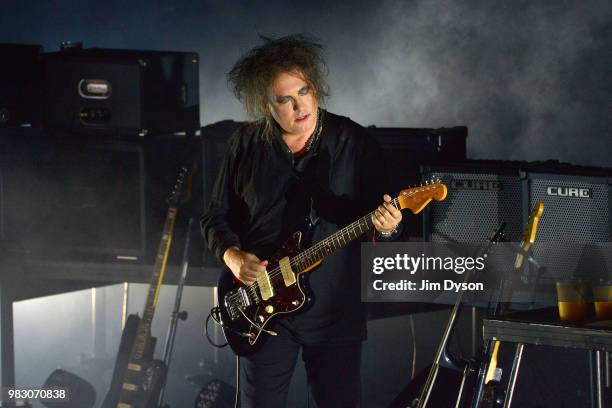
245	266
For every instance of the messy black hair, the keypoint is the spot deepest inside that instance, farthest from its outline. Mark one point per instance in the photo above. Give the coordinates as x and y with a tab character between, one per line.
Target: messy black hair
252	75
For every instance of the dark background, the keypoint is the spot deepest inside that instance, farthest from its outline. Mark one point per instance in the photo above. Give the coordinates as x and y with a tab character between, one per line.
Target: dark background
530	79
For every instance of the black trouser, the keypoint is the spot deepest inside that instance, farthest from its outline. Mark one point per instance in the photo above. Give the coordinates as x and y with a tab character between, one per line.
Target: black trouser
333	372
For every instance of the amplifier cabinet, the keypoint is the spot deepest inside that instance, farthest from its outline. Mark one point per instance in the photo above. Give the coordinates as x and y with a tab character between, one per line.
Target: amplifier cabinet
215	139
122	91
88	199
572	233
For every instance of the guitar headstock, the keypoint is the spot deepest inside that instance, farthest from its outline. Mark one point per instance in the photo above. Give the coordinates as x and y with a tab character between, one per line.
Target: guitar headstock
417	198
532	225
179	187
530	232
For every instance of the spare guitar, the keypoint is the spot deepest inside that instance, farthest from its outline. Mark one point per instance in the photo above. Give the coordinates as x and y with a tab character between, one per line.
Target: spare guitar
488	392
138	378
245	311
448	378
459	384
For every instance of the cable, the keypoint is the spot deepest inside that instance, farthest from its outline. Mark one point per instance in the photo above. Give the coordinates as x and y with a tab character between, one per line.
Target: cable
414	347
237	400
214	313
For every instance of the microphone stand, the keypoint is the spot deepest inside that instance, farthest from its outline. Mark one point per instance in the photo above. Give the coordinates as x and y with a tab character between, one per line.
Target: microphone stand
176	313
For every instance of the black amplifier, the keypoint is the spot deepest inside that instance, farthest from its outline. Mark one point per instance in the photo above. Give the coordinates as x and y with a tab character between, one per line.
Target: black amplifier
84	199
483	194
122	91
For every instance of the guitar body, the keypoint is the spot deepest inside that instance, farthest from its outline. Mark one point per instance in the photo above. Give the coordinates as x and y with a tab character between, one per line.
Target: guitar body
151	377
242	336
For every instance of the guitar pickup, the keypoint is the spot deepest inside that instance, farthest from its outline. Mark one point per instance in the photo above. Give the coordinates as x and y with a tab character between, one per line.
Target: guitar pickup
129	387
265	286
288	274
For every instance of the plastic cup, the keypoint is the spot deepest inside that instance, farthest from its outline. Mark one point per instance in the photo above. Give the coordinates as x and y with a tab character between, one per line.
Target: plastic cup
573	300
602	297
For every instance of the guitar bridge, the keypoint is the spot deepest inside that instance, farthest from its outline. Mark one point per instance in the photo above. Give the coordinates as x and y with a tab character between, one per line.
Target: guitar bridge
246	302
237	301
232	309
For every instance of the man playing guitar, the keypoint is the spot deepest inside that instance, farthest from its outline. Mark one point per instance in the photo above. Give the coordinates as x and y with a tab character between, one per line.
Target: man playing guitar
293	162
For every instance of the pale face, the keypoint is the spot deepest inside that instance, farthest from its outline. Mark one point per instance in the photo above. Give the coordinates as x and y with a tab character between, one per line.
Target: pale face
293	105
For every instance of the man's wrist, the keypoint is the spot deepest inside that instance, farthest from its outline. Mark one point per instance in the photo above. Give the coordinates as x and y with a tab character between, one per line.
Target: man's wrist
387	234
228	253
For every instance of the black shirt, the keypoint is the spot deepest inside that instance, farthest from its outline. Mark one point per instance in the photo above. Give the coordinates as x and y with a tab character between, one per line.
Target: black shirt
263	194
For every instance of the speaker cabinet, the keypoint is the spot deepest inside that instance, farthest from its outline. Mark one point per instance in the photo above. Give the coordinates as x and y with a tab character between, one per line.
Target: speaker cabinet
122	91
20	84
574	231
71	198
214	145
483	194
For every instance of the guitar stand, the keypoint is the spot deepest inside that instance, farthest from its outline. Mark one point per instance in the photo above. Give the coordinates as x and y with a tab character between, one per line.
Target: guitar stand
176	313
500	308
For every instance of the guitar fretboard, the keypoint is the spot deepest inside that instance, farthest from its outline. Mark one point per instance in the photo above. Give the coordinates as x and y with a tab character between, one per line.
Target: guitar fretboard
144	327
337	240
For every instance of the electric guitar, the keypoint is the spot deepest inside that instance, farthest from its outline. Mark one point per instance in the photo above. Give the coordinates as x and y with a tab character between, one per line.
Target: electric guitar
245	311
488	392
457	383
138	378
448	379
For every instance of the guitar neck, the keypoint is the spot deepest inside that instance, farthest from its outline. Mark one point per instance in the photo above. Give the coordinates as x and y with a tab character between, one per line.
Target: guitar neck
144	328
334	242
